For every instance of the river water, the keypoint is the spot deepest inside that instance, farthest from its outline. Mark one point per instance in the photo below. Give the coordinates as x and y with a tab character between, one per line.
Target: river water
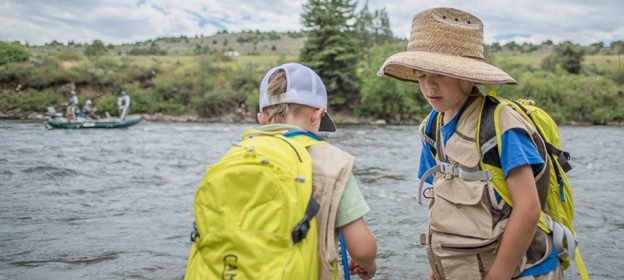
117	204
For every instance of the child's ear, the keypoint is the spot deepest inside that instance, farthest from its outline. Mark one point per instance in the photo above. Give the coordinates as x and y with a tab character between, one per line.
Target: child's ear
261	119
316	116
466	86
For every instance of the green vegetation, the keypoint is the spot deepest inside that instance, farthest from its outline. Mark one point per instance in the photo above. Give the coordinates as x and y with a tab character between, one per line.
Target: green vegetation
12	53
387	98
213	76
97	48
332	49
567	56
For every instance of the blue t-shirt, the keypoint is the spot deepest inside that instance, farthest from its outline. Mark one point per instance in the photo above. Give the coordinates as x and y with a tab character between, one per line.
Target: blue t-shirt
517	150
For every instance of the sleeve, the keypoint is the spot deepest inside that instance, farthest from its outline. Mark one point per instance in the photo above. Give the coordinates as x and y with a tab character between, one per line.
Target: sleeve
519	150
426	162
352	204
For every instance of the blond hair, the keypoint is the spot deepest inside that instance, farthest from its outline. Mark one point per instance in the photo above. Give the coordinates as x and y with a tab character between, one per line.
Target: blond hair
277	113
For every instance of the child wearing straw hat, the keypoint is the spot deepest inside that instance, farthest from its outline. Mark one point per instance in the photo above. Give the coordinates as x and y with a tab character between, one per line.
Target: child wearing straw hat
472	233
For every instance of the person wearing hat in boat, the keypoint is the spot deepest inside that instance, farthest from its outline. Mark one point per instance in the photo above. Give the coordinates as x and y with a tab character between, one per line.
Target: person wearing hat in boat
72	104
472	233
87	111
123	103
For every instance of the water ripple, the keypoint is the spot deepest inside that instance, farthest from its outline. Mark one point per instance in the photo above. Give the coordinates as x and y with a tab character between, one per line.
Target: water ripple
52	172
75	260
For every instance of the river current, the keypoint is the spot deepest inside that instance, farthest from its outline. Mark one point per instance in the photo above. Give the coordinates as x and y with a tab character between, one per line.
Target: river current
117	204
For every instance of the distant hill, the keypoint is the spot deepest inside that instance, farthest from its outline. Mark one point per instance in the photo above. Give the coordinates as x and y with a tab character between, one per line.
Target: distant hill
258	43
243	43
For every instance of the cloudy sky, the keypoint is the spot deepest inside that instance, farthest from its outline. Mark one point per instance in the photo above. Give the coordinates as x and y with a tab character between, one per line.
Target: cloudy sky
127	21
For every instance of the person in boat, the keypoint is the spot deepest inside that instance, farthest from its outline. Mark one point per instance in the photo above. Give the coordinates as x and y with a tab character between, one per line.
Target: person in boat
472	233
87	111
293	96
72	104
123	103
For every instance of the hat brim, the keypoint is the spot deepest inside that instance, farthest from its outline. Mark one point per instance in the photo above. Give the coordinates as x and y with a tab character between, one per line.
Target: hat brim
327	124
402	65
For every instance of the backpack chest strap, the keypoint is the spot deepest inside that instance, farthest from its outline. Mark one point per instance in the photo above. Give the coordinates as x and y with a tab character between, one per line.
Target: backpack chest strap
452	170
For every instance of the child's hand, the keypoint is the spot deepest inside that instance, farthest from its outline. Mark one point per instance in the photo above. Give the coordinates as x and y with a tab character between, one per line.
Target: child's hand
365	273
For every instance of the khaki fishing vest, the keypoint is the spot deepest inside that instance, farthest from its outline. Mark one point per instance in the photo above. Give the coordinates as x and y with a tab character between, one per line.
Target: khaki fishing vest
330	174
465	220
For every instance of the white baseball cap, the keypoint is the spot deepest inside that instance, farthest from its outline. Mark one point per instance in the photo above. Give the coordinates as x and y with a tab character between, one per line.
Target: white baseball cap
303	86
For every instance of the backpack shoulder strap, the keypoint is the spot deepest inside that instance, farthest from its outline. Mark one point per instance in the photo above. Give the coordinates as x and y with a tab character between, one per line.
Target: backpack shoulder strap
428	131
308	139
487	132
305	137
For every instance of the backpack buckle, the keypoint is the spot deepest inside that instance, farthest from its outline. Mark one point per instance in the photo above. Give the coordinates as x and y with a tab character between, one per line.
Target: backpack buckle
564	161
194	233
301	230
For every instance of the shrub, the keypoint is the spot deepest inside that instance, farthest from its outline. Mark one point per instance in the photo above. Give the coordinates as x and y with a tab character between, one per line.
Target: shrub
12	52
388	98
31	100
97	48
566	55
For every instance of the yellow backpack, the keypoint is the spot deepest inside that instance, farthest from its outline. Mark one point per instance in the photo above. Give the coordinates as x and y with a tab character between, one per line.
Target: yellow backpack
254	213
558	216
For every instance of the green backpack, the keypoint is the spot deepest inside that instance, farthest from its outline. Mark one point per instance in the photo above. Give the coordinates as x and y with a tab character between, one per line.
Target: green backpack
254	213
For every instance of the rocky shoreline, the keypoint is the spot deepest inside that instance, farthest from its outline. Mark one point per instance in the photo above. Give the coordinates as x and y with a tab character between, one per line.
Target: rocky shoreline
226	118
240	118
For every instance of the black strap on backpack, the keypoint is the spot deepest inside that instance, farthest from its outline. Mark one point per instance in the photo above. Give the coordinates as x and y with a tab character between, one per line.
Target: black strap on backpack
301	229
432	137
487	131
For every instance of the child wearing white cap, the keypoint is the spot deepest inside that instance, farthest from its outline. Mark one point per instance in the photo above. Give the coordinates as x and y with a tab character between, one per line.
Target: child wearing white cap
293	97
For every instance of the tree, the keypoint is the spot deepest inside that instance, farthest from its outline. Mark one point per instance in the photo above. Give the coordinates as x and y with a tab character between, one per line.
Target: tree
383	31
595	48
373	29
12	52
97	48
332	49
566	55
617	47
364	27
387	98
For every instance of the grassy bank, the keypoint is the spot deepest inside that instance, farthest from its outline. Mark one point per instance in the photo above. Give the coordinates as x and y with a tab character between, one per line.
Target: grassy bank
215	87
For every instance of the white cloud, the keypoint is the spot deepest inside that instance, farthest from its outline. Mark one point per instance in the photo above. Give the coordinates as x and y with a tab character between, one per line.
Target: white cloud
120	21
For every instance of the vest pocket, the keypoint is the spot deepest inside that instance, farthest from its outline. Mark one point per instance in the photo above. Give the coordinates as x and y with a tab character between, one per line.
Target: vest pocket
461	208
457	257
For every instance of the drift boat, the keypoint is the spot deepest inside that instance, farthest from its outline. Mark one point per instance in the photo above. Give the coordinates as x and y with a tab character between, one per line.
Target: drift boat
56	120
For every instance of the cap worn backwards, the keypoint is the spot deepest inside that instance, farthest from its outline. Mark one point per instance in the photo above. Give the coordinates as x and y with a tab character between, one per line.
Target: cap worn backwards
303	86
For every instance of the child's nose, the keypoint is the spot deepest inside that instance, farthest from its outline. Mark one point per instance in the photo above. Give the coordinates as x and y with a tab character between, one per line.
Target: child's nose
431	80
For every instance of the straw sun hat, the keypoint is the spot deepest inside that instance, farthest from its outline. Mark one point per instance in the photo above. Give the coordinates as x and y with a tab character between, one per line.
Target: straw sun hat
448	42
